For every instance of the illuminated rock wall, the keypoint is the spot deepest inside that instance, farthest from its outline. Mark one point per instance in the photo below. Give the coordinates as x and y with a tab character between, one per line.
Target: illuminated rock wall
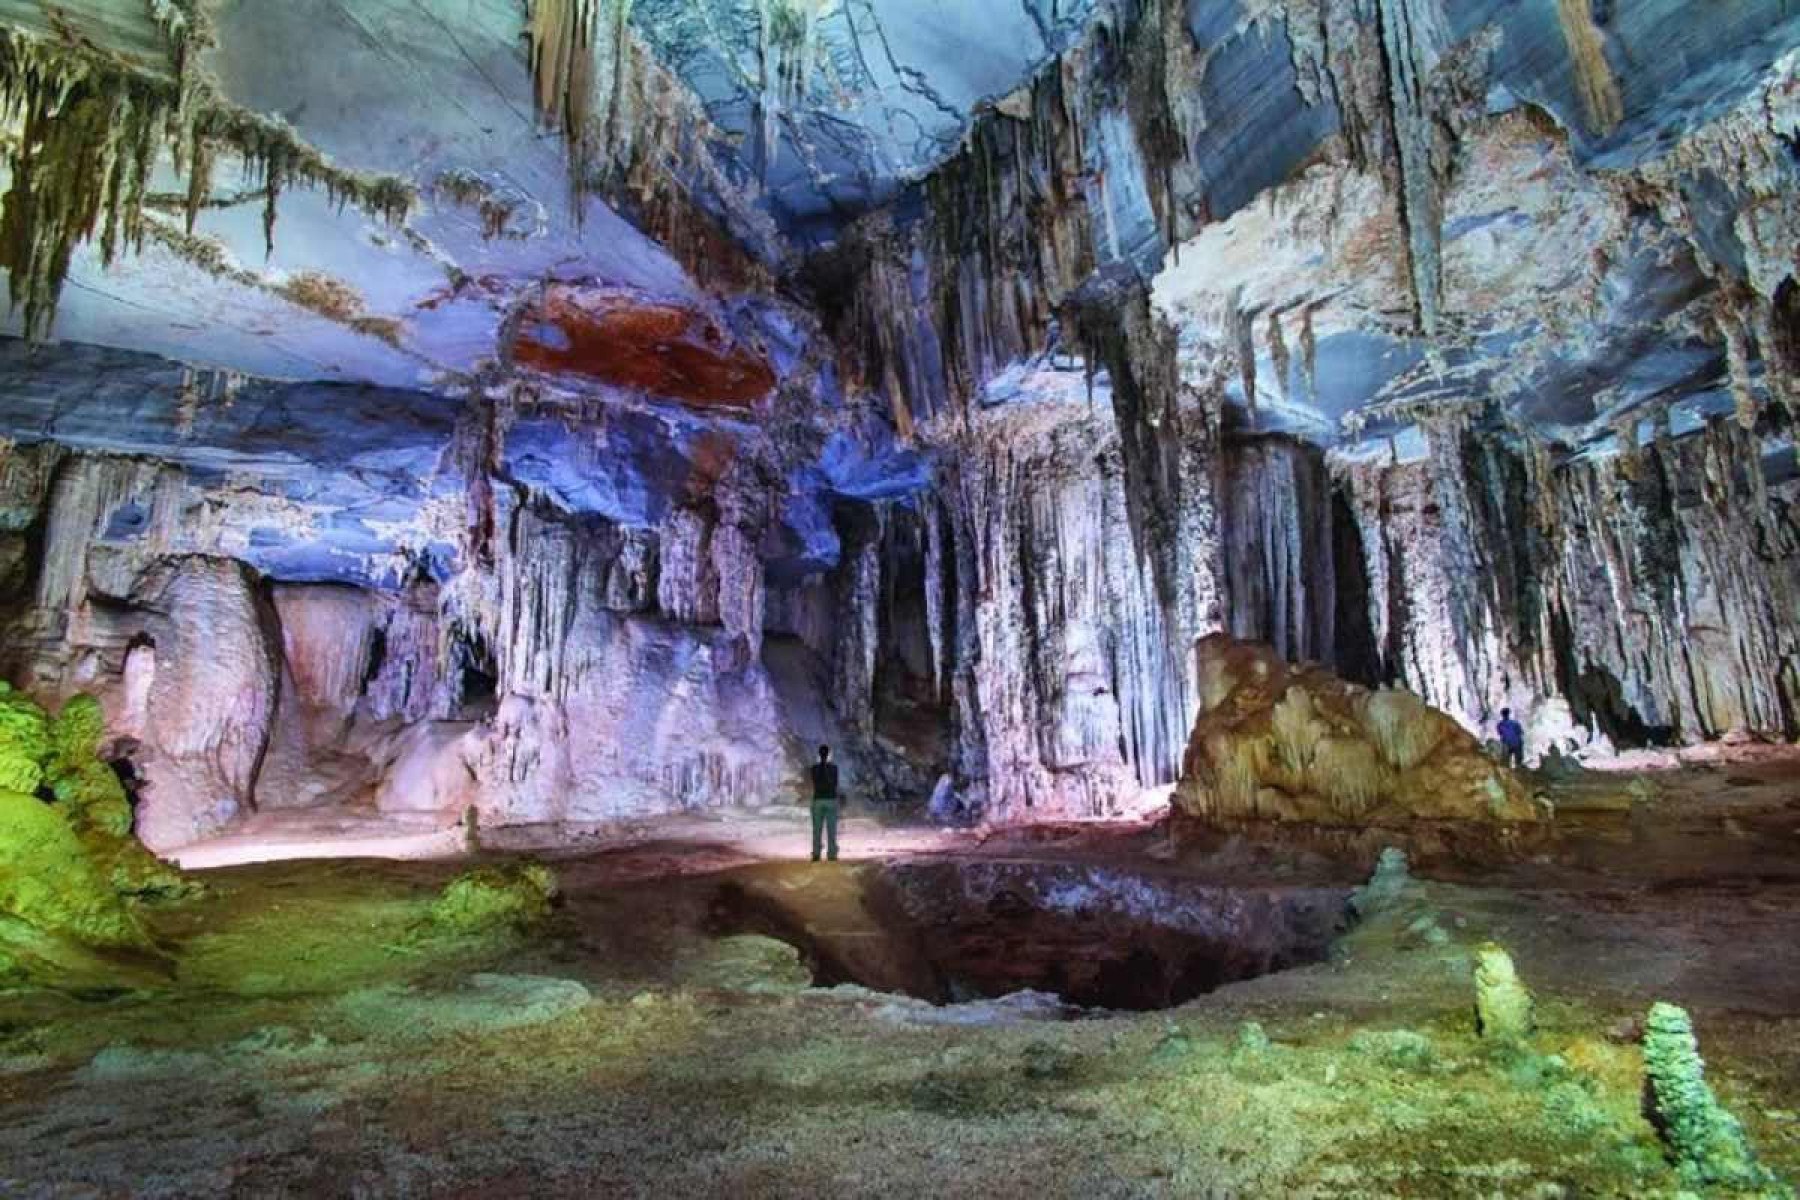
1419	337
291	596
1655	591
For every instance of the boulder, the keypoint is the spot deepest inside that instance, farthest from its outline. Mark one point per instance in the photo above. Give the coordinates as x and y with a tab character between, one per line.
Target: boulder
1295	743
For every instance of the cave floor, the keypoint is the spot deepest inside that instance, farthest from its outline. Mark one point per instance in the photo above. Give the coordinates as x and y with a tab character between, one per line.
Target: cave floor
321	1038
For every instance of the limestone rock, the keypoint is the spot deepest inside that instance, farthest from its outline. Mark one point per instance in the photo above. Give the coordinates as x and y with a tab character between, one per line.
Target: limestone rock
1502	1005
1279	742
205	722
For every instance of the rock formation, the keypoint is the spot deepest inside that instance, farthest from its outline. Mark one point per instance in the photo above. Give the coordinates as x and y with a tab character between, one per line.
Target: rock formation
798	387
1502	1003
1705	1140
1286	743
70	871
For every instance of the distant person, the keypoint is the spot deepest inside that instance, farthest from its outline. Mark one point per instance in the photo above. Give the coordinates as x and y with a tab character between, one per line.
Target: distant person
825	803
1512	739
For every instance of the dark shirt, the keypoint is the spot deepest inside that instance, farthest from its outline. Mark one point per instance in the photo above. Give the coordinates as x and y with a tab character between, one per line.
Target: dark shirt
1511	733
824	781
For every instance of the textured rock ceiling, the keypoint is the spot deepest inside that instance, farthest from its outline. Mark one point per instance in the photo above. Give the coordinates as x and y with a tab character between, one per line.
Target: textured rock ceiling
886	92
437	90
425	90
1570	289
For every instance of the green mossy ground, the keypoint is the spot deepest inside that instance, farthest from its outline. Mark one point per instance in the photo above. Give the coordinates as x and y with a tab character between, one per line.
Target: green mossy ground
327	1034
496	897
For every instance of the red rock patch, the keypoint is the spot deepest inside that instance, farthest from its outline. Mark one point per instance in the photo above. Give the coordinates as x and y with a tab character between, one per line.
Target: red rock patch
662	349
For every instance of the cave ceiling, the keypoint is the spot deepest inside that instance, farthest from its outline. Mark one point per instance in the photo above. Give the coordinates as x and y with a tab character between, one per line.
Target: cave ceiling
1570	290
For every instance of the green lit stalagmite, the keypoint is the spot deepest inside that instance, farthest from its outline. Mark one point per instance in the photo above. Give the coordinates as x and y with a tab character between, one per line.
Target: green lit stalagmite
1502	1005
1706	1141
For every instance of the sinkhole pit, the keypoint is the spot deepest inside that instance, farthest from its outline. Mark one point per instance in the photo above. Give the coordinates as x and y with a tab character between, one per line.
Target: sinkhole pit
951	931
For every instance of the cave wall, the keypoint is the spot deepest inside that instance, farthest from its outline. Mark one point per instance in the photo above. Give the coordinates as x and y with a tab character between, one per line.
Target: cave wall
1611	601
1425	273
1653	591
1333	324
652	643
290	596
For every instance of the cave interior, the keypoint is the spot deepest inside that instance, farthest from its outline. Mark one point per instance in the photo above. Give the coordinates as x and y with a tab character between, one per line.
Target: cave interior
1284	514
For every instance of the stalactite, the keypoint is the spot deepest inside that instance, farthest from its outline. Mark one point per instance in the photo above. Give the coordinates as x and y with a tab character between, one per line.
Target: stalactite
939	599
786	46
1069	695
1279	561
1240	333
1411	40
1164	497
1587	51
1309	355
639	137
90	128
1404	92
1651	609
688	579
858	618
1021	216
1736	336
1279	356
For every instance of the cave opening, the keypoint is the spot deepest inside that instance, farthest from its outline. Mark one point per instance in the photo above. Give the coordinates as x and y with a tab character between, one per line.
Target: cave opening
473	672
477	686
909	708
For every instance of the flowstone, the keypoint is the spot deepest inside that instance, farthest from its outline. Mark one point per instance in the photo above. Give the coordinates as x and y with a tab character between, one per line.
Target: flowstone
1294	743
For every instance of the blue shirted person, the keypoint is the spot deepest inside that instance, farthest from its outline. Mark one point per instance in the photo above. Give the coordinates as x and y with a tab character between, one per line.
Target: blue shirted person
1512	739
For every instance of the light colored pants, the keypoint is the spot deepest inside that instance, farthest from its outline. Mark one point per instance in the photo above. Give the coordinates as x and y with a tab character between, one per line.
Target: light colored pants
824	821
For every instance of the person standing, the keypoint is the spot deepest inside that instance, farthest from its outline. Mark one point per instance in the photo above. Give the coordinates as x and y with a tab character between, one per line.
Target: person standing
825	804
1512	739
